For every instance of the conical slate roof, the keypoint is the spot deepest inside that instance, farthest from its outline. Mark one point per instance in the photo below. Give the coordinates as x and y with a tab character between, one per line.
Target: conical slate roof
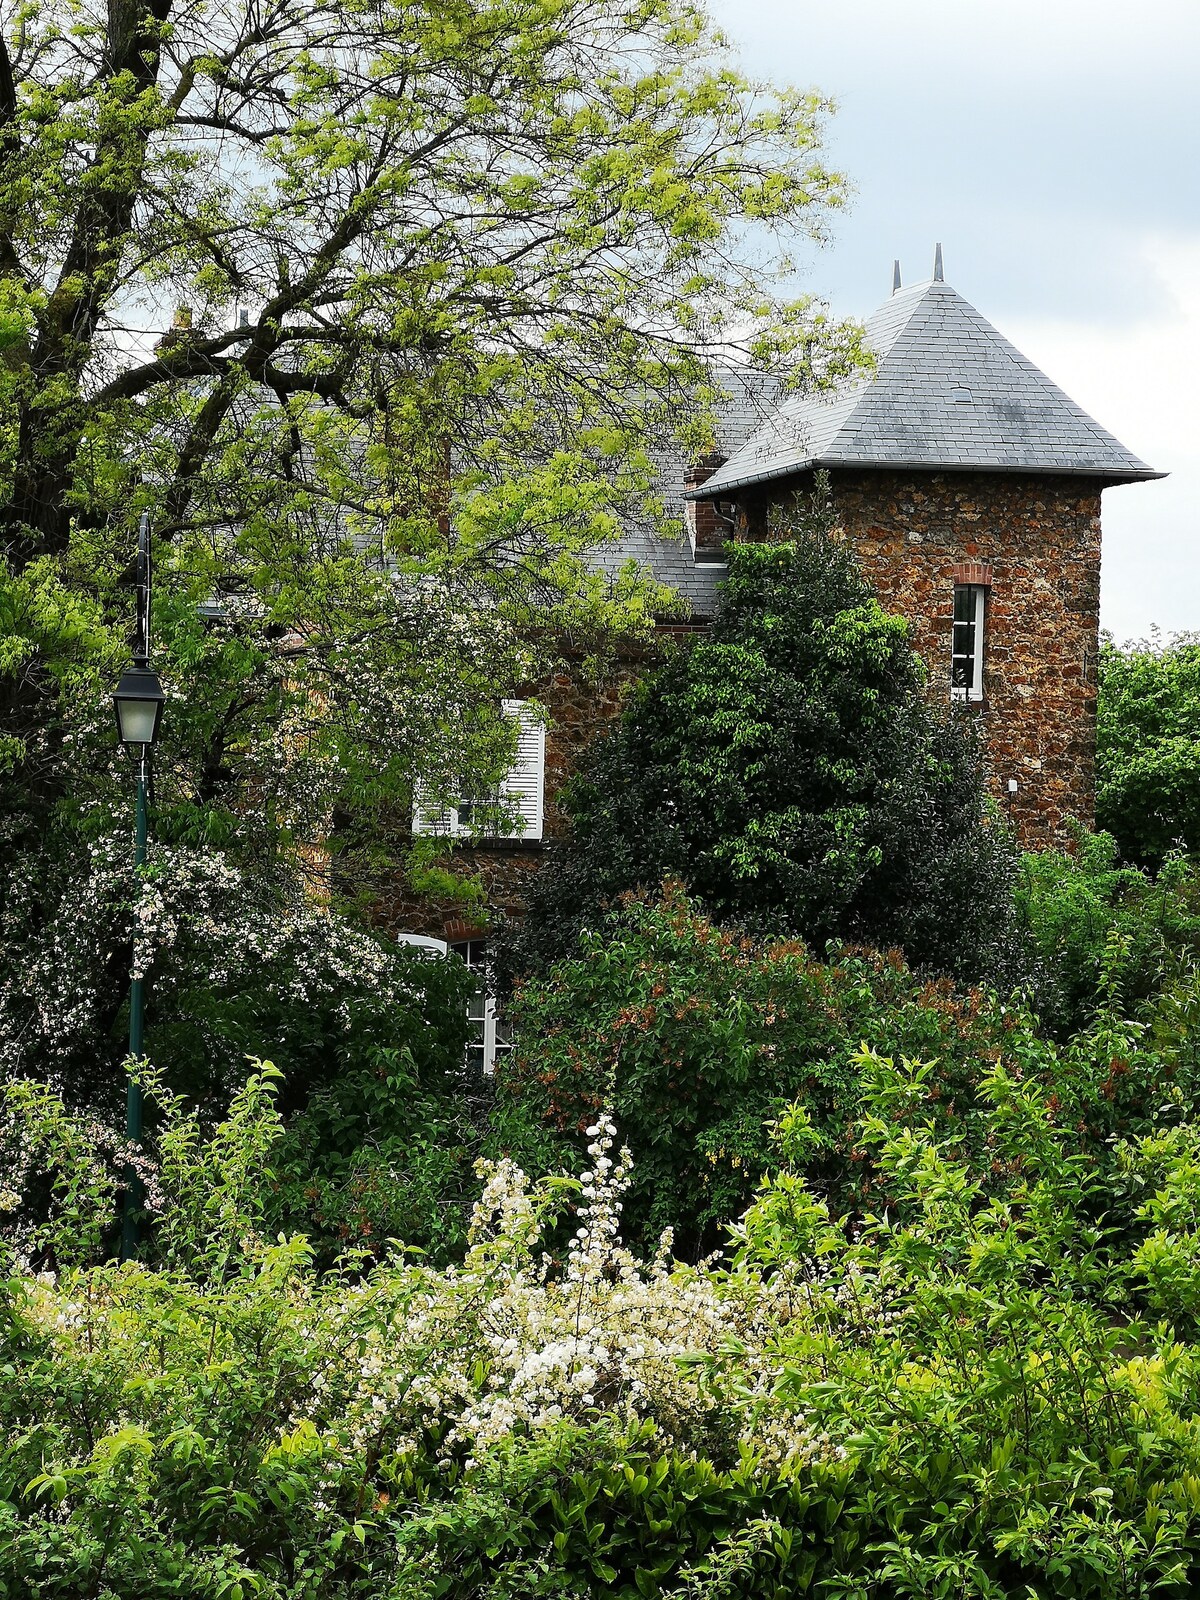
948	393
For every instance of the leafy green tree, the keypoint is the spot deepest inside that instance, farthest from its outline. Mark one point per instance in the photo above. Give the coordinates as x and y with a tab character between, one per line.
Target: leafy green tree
789	769
1148	747
483	253
449	272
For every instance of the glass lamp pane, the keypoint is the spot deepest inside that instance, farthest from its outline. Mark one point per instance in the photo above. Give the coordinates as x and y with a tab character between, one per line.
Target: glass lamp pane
137	719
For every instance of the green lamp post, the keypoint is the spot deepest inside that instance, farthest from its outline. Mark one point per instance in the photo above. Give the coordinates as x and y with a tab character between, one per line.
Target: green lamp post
138	703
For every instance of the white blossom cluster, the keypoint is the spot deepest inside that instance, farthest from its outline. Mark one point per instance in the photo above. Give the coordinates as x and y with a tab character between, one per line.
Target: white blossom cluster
515	1341
58	982
519	1338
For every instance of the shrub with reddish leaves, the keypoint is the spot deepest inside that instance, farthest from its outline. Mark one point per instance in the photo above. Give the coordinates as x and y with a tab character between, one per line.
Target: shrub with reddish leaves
699	1035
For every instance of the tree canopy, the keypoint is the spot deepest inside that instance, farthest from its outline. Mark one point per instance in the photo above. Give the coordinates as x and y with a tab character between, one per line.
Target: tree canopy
790	770
1148	746
381	311
449	272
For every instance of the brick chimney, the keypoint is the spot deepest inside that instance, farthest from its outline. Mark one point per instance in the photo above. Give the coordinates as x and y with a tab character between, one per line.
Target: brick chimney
708	526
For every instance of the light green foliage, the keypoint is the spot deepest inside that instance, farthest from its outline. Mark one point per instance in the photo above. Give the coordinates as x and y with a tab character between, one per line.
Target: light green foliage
1148	746
983	1389
488	253
61	1177
213	1182
1166	1170
1011	1421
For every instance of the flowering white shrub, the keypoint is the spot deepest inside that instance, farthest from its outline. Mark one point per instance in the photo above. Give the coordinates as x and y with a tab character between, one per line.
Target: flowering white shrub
570	1421
517	1340
191	914
380	681
513	1342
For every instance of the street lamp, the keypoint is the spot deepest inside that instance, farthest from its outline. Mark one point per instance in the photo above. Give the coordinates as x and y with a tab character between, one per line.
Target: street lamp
138	703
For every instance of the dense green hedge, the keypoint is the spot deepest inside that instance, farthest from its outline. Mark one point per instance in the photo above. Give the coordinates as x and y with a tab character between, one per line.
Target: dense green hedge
988	1388
698	1036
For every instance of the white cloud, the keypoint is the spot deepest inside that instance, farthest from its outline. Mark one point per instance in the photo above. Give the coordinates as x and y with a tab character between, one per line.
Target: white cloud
1019	41
1141	381
1052	146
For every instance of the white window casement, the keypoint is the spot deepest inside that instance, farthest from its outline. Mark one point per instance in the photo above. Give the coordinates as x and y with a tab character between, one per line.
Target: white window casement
521	791
490	1035
967	639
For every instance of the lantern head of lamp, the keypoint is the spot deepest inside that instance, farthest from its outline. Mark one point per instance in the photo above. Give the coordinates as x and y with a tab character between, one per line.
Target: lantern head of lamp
138	702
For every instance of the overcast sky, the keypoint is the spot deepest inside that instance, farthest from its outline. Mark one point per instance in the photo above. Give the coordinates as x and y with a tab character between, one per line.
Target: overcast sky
1053	147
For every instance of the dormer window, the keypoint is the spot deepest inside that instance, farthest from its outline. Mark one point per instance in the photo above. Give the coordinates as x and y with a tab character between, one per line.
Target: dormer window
966	649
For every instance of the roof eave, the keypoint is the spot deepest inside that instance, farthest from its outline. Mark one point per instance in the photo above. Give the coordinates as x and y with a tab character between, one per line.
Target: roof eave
1110	475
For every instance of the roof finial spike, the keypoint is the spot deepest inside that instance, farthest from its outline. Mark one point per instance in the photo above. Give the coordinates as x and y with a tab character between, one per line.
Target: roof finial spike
895	276
938	271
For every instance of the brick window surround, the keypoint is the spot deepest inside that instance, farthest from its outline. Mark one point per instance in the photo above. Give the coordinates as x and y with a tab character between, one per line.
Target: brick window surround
976	573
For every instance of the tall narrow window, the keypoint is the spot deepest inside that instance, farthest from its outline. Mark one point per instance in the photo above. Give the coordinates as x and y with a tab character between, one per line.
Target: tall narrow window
490	1036
514	810
966	650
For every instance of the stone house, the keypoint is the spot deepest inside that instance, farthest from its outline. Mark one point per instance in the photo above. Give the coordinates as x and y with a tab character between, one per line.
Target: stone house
970	488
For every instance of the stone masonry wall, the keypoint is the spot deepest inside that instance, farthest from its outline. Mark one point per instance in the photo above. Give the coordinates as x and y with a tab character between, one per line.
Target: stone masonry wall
1034	540
917	534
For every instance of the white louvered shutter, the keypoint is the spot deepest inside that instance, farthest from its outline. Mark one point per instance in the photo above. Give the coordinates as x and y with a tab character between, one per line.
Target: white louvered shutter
524	784
432	819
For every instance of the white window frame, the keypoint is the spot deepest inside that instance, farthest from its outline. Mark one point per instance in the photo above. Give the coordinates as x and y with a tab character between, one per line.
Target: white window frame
973	655
474	952
523	787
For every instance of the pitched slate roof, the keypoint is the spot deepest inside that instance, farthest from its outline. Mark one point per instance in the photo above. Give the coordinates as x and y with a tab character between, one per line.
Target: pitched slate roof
948	392
670	560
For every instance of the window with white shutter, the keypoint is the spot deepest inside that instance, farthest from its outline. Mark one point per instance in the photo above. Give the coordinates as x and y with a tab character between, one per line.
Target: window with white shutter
431	820
524	785
521	791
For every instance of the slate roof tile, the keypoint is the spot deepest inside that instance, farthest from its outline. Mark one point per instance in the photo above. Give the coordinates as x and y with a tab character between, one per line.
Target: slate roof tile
929	344
947	391
749	399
